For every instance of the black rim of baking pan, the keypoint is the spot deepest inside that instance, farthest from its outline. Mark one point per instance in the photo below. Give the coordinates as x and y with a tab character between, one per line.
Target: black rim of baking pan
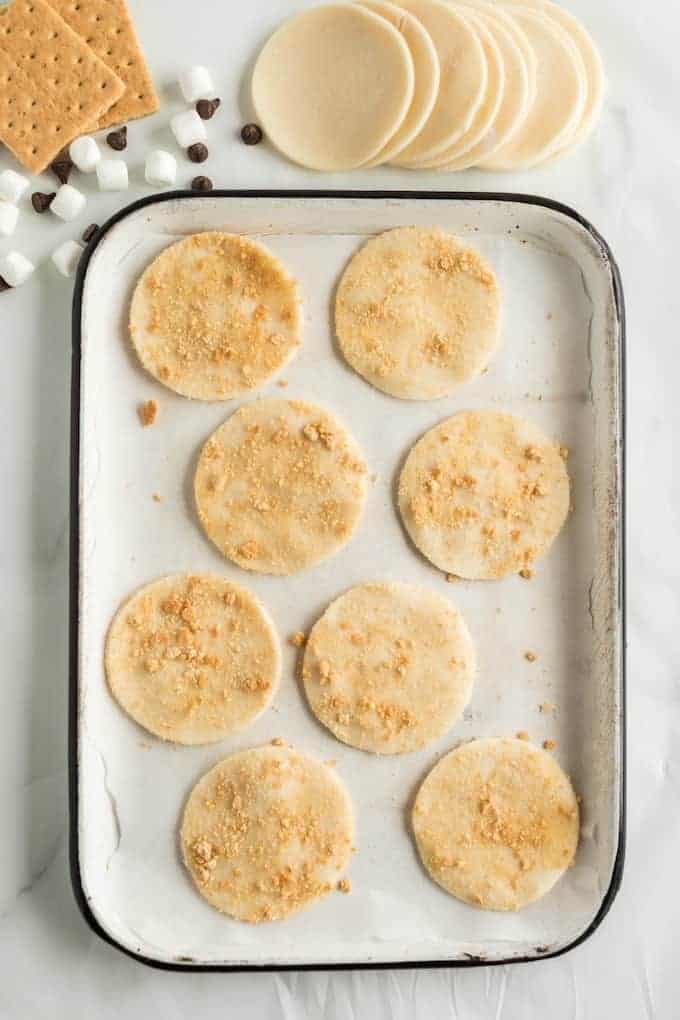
188	963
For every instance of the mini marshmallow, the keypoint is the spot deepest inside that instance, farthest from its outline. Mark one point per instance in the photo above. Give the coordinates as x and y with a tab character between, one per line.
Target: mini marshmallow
196	83
9	214
67	256
15	268
68	202
85	153
112	175
13	186
188	128
160	169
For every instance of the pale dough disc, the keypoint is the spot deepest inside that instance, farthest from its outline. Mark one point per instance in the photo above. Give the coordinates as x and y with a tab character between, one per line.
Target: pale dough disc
389	667
516	97
332	85
266	832
462	79
417	313
493	97
215	316
484	494
280	486
192	658
496	823
592	62
560	95
426	80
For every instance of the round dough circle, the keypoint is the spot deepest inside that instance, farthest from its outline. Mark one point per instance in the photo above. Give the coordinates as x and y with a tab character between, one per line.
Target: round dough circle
488	108
280	486
514	101
426	80
416	313
192	658
560	95
462	79
266	832
215	316
332	85
389	667
484	494
496	823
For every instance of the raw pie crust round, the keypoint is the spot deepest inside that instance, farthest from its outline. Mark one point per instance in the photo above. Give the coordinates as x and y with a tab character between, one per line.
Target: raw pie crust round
215	316
266	832
389	667
496	823
192	658
280	486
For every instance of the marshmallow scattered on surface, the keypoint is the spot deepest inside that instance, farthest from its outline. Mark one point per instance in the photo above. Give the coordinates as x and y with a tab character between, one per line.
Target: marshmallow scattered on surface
188	128
112	175
9	214
196	83
68	202
160	168
13	186
15	268
67	256
85	153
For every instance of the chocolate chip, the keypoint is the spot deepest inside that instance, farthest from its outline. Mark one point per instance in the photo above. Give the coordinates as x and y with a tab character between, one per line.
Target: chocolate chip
251	134
4	285
89	232
41	202
201	184
198	153
206	108
117	139
61	166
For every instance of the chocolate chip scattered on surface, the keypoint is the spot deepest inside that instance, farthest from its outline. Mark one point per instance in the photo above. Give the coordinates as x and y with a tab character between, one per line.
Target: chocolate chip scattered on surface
207	108
89	232
117	139
198	153
251	134
201	184
42	201
62	166
4	285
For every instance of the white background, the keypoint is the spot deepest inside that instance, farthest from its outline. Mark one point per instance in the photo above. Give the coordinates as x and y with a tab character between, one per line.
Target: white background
625	180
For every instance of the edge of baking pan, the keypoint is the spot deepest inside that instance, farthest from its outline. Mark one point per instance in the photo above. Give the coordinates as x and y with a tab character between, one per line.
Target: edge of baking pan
540	952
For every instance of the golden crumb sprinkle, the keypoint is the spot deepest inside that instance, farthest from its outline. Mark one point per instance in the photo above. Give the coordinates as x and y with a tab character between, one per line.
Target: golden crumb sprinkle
297	639
530	656
148	412
526	573
549	745
451	578
545	707
282	383
278	742
522	735
344	885
157	498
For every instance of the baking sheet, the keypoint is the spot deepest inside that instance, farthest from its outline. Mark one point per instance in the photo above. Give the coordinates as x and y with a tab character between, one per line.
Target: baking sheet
558	366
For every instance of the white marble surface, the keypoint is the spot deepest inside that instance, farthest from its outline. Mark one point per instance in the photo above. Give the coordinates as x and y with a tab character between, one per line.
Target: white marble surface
625	181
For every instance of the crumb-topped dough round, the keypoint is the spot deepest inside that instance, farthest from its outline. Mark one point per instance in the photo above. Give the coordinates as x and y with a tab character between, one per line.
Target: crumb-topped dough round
484	494
192	658
496	823
389	667
280	486
266	832
332	85
215	316
417	313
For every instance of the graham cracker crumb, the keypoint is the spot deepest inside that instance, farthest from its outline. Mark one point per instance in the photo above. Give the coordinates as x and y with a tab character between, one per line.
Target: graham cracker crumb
526	573
344	885
157	498
279	742
549	745
148	412
451	578
282	383
522	735
545	707
530	656
297	639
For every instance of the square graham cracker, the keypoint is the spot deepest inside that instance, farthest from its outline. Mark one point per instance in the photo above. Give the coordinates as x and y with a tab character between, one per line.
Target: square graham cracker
52	85
106	26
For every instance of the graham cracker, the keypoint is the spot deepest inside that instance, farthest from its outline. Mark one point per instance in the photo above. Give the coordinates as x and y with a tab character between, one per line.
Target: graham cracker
106	26
52	85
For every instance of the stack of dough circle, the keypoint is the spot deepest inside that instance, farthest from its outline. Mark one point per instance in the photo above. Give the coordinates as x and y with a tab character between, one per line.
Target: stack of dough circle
484	494
496	823
417	313
429	84
389	667
280	486
215	316
267	832
333	85
192	658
